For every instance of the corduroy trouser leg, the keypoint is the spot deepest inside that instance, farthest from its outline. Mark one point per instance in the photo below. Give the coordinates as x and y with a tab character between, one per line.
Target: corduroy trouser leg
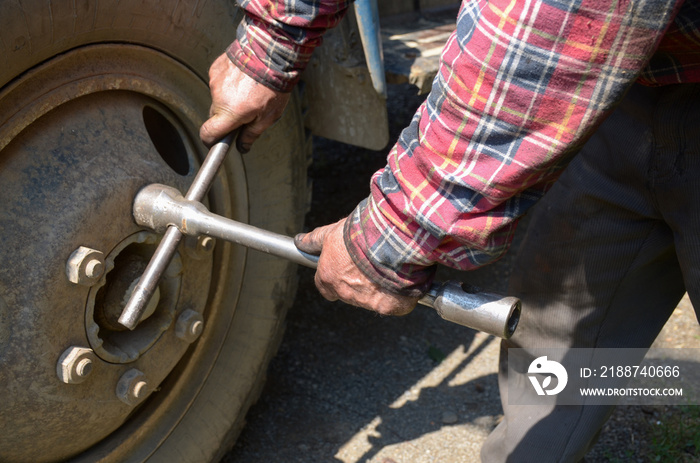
609	252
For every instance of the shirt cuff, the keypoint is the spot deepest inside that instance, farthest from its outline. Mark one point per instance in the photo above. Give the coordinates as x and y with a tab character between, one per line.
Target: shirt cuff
270	60
368	247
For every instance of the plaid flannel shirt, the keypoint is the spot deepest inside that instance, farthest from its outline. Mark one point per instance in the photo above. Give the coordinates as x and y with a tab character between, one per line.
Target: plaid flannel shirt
522	85
276	37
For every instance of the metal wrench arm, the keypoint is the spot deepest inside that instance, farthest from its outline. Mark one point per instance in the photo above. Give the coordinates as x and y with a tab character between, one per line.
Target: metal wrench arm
131	315
162	208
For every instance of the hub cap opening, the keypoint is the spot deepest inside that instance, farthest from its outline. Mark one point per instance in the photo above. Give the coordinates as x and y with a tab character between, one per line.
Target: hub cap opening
167	140
109	339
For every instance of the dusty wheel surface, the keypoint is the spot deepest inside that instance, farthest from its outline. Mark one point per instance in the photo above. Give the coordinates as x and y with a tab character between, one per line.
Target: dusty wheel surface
98	100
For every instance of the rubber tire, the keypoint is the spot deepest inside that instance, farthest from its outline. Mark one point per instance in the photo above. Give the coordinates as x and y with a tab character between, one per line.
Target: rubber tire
33	32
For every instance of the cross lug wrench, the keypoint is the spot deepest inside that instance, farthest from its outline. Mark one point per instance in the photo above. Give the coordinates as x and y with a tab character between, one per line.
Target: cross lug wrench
165	210
146	286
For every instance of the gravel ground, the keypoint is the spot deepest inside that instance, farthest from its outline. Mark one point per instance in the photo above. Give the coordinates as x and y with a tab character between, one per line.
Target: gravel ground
348	385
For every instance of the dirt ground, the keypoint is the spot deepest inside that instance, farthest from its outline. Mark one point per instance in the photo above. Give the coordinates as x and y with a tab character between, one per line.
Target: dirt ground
350	386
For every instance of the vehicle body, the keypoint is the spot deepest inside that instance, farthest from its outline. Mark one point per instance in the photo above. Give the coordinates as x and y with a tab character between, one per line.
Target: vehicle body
98	99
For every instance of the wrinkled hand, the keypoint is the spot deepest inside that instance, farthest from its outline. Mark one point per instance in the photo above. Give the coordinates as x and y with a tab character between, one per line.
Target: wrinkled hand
337	276
239	101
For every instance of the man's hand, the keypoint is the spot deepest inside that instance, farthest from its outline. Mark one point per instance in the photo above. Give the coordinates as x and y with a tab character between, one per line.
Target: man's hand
337	276
239	101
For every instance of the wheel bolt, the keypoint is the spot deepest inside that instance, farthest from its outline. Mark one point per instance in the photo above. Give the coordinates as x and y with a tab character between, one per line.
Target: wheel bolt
189	326
199	247
205	243
94	269
132	387
139	390
84	368
75	364
85	266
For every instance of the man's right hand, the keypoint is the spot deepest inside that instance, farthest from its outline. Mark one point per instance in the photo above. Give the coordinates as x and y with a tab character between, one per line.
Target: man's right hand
239	101
338	277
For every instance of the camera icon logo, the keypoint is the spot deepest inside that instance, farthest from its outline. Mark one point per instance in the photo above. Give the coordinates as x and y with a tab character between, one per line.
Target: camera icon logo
542	366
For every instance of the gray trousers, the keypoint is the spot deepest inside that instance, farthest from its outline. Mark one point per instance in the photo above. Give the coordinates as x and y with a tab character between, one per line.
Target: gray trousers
609	252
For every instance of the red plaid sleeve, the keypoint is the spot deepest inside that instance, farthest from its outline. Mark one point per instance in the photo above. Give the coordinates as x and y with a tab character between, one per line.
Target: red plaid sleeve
276	37
522	85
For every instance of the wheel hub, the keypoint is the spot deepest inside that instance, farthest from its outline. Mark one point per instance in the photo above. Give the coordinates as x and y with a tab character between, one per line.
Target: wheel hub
108	338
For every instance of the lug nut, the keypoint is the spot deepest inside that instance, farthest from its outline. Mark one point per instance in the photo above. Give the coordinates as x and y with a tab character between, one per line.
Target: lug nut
132	387
189	326
75	364
85	266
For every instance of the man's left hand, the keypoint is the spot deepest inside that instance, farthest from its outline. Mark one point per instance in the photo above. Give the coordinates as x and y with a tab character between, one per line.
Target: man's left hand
337	276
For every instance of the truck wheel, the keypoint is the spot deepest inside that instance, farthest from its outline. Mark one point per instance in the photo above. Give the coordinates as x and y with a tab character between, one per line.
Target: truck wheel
98	99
